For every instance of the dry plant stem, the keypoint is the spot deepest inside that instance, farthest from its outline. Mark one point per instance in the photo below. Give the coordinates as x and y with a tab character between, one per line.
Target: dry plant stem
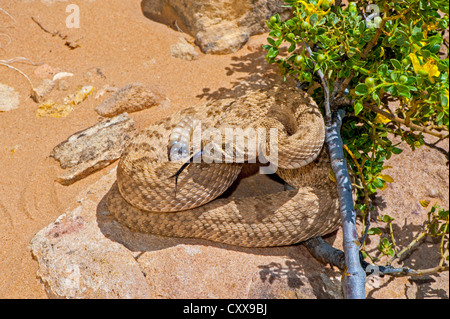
412	126
444	253
394	245
33	92
43	28
427	130
21	60
409	247
327	254
326	90
10	16
405	271
71	44
365	53
443	257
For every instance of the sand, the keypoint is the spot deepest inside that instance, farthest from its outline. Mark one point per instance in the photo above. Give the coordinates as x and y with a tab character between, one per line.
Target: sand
115	37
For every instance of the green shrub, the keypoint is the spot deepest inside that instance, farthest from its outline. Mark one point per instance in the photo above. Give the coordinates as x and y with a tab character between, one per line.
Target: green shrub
371	55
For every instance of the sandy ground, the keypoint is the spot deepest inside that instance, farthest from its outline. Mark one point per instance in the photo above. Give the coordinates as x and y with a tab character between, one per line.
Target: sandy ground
116	38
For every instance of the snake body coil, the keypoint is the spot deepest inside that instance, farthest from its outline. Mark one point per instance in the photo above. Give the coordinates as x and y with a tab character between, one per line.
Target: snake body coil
144	197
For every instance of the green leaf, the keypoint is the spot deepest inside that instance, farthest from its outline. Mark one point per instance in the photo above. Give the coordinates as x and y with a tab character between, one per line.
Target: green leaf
394	76
321	30
396	150
316	67
278	42
390	252
443	214
382	70
387	219
397	65
435	48
292	47
290	23
403	90
358	108
275	33
376	98
425	54
309	63
313	19
362	26
444	100
361	89
374	231
417	37
273	52
378	183
271	41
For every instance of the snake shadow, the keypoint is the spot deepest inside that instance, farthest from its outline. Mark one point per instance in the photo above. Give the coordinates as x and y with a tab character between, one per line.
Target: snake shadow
296	268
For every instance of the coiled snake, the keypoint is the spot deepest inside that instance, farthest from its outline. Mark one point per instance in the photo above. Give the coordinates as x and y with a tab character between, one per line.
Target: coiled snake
157	195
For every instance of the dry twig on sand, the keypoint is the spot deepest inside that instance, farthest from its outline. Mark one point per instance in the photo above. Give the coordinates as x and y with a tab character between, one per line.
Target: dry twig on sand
71	44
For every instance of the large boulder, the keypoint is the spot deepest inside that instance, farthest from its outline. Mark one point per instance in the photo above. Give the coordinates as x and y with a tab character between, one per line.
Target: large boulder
219	27
86	253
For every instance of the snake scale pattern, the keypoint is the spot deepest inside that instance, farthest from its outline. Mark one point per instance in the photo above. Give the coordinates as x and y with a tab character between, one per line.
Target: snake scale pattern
146	199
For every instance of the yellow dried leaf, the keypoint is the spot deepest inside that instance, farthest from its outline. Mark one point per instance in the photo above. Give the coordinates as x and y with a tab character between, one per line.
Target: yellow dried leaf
331	176
79	96
424	203
386	178
312	8
14	149
429	67
381	119
53	109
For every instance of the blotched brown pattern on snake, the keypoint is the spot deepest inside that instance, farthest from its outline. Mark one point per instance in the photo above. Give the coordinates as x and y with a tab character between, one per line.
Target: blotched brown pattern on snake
144	197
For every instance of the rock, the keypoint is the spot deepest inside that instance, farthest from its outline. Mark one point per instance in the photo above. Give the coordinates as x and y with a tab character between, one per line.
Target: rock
131	98
62	85
45	87
183	50
105	89
94	148
45	71
9	98
86	253
93	74
90	266
62	75
219	27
